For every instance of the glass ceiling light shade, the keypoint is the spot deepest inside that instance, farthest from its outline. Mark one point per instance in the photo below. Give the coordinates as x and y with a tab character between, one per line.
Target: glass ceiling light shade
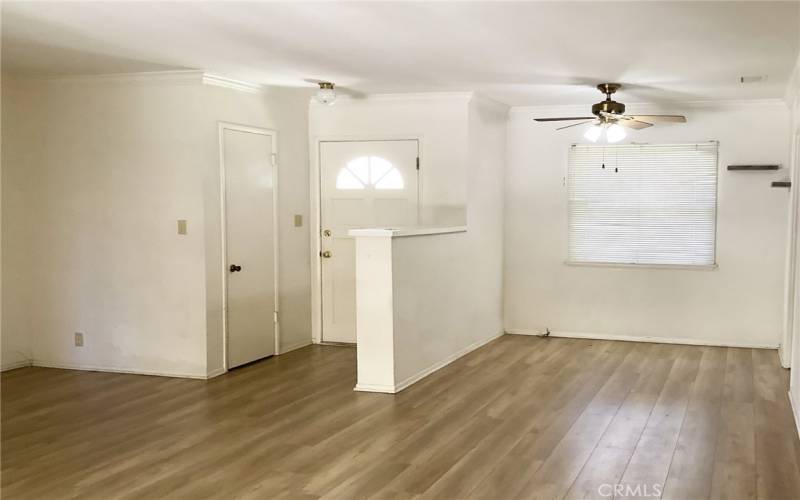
615	133
326	93
593	133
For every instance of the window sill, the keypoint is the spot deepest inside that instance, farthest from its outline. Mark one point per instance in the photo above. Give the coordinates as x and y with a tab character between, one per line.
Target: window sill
682	267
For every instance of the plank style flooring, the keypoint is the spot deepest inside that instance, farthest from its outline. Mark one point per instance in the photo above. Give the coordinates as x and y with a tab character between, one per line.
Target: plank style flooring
522	417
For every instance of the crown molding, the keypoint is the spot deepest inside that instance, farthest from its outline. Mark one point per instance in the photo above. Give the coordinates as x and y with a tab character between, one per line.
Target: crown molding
230	83
187	77
177	76
486	100
412	96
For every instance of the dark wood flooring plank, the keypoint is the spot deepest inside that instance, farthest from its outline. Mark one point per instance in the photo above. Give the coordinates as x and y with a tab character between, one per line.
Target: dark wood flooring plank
775	479
692	467
734	475
649	465
521	417
610	457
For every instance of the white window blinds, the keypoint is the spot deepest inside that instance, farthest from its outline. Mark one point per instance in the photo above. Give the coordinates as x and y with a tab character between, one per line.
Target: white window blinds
643	204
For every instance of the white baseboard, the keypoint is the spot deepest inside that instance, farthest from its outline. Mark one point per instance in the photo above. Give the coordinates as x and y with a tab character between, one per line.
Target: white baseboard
93	368
386	389
216	373
633	338
294	347
795	413
784	357
17	364
441	364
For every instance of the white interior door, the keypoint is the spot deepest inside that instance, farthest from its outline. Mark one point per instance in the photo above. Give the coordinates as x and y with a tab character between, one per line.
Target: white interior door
250	244
363	184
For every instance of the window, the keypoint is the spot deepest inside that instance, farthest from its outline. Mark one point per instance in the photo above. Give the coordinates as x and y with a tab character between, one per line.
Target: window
369	171
643	204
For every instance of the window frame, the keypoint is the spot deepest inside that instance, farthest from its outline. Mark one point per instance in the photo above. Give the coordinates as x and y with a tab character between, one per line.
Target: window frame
632	265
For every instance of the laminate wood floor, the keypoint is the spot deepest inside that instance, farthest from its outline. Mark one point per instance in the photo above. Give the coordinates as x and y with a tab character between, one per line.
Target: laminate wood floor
522	417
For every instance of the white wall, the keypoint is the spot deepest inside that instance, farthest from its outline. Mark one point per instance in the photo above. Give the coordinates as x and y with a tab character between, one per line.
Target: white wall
285	111
15	339
115	168
739	303
111	166
438	120
448	289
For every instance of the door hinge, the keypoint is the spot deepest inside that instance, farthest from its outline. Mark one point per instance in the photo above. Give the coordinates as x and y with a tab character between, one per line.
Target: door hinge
274	159
417	162
275	316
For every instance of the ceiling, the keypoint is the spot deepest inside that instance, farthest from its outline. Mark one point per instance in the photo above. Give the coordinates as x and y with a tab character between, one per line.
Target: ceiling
517	53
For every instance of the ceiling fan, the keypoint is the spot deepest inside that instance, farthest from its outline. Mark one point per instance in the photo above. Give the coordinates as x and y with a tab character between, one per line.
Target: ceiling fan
609	117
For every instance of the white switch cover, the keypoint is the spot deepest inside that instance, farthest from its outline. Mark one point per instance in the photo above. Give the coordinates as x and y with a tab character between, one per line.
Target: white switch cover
78	339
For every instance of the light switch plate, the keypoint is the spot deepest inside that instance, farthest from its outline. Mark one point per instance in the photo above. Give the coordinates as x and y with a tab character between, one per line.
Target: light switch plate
298	220
78	339
181	226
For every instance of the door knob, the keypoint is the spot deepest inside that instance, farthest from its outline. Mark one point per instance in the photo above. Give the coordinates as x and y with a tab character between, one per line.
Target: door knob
235	268
327	254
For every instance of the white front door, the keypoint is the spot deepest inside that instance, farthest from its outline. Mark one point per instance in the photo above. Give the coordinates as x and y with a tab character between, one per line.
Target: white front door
363	184
247	156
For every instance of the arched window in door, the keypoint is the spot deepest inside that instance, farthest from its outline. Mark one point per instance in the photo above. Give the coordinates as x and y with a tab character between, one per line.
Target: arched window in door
366	171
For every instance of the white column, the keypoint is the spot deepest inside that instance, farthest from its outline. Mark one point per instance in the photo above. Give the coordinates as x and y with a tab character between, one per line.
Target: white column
374	310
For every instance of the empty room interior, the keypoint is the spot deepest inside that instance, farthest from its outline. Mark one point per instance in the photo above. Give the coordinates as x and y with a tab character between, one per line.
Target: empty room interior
400	250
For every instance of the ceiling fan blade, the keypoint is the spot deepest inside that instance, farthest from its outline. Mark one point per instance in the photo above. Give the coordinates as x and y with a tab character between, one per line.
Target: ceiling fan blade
574	125
634	124
564	119
660	118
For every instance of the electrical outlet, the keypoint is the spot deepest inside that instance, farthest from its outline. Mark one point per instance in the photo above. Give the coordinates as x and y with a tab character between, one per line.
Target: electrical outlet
78	339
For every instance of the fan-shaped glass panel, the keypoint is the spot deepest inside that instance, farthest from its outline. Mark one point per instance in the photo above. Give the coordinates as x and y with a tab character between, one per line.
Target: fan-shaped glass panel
378	167
391	180
369	171
360	168
347	180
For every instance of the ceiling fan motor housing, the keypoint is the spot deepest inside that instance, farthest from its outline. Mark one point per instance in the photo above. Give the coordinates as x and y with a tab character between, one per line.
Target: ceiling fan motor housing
608	106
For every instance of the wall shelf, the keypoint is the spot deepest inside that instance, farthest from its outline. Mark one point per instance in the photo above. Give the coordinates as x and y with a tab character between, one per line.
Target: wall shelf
753	167
782	184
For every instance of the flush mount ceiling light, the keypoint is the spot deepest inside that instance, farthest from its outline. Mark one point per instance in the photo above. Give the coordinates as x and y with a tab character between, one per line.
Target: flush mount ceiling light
326	93
609	117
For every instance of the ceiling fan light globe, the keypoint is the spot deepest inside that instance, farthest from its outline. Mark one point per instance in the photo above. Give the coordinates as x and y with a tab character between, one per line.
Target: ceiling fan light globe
615	133
326	96
593	133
